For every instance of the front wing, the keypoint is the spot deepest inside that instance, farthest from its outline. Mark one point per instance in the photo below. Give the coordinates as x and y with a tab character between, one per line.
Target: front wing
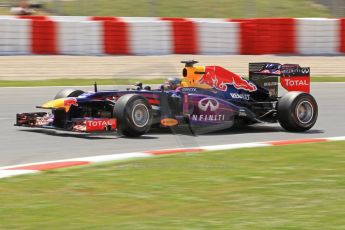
86	125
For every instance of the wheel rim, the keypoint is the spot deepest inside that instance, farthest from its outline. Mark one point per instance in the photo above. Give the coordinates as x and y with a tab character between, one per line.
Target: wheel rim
305	112
140	115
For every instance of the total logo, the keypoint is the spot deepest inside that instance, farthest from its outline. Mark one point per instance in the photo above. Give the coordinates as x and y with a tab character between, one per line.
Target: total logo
99	123
291	82
210	104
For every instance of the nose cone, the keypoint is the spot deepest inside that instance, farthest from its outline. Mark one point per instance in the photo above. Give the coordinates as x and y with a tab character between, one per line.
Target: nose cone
61	103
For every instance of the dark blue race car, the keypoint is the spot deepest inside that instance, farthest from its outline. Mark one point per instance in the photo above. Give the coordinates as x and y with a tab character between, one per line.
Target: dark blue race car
208	98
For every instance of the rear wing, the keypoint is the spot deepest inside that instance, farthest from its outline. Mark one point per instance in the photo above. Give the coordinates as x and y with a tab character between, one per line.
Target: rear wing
292	77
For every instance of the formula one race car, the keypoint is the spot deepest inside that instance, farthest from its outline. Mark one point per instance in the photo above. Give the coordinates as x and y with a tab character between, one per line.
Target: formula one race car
208	98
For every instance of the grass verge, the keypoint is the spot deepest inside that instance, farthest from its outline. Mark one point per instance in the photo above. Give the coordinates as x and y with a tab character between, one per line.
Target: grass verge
120	81
287	187
328	79
205	8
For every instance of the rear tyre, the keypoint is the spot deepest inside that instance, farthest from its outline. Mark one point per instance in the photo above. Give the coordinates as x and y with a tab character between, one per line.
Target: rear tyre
297	111
68	93
134	115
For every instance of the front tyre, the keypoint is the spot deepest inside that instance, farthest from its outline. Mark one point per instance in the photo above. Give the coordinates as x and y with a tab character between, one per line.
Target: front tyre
68	93
134	115
297	111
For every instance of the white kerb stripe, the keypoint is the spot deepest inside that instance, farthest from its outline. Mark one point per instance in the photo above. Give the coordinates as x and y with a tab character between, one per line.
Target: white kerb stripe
336	138
113	157
10	173
235	146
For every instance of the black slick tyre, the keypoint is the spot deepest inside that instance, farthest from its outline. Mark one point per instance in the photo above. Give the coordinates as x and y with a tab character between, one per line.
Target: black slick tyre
297	111
68	93
134	115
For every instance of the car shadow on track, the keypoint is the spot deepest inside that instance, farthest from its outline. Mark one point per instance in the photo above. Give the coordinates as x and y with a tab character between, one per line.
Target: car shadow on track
68	134
90	136
261	129
154	132
238	130
248	129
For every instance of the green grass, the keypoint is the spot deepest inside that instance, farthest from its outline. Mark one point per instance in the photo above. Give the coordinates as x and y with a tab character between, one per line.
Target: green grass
328	79
193	8
87	82
289	187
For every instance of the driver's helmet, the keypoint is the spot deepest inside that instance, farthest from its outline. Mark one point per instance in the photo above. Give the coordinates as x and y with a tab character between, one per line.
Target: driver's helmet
172	83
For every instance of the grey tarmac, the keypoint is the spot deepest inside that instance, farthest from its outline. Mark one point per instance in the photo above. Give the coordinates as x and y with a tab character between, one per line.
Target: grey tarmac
37	67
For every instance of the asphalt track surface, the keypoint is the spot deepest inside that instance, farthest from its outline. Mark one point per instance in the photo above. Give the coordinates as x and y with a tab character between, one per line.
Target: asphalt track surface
37	67
25	145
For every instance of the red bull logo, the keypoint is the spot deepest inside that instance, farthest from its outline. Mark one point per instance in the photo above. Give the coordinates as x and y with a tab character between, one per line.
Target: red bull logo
70	101
220	78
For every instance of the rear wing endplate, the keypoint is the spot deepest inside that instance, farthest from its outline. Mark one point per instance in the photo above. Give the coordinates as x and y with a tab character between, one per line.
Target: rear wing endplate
292	77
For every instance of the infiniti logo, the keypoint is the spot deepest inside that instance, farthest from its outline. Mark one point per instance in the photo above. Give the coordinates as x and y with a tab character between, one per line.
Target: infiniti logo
208	103
305	70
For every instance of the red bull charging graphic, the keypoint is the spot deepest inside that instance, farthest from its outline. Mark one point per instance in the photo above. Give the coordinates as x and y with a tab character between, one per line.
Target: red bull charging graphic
220	78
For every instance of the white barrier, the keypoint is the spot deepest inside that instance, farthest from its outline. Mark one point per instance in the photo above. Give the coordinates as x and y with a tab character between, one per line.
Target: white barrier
318	35
15	36
79	35
150	38
92	38
218	37
70	37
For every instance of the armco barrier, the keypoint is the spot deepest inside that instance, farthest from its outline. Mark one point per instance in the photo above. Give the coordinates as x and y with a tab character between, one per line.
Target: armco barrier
184	35
267	35
44	37
160	36
247	36
276	36
43	34
342	35
115	35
